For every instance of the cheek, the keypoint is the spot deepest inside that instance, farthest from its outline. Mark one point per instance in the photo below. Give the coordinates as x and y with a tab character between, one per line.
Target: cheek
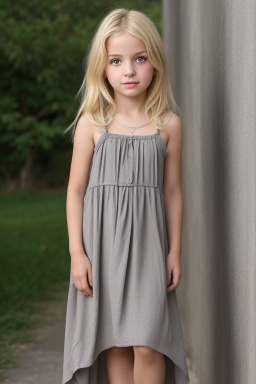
112	74
147	71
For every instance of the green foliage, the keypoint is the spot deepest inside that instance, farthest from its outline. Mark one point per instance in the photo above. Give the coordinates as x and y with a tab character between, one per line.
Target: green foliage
42	47
34	260
33	246
152	8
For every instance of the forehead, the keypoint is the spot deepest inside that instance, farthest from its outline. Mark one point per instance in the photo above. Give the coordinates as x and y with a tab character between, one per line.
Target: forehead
124	43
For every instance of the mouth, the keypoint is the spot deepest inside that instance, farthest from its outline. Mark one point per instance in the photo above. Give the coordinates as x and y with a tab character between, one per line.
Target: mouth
130	84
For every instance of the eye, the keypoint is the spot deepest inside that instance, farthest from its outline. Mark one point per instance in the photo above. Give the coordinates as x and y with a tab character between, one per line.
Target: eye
143	58
111	62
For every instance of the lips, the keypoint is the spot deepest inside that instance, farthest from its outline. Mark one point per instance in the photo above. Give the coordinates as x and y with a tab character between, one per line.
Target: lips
131	82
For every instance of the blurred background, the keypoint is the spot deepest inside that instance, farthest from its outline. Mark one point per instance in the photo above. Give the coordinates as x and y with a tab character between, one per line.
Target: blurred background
211	55
42	64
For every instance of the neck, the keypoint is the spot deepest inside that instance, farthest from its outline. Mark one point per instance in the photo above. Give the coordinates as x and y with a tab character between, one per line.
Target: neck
129	106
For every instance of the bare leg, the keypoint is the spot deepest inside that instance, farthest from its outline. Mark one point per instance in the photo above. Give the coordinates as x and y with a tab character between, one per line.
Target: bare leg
120	361
149	366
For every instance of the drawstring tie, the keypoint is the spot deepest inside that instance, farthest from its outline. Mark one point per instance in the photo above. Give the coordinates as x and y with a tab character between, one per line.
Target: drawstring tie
131	150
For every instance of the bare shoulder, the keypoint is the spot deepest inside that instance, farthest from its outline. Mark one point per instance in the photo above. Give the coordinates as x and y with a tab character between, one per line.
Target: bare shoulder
84	132
82	154
173	128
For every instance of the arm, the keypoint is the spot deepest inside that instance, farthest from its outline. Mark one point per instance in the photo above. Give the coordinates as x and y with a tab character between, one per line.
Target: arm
173	200
83	148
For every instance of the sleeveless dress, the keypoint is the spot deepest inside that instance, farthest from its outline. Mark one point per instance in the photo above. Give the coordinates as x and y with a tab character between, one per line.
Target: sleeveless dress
125	239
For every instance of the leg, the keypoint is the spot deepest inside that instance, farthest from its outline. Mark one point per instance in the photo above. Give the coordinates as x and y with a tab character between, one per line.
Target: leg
120	361
149	366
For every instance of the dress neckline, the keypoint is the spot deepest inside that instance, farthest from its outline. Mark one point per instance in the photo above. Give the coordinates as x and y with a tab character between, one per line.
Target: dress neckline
131	136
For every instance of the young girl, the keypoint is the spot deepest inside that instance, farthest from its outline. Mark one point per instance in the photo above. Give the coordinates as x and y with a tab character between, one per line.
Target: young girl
124	213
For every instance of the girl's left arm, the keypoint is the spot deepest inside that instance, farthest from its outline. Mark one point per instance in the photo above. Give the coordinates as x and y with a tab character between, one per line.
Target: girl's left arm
173	200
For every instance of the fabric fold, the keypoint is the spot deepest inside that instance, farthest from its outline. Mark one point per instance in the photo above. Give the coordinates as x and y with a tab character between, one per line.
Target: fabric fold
125	239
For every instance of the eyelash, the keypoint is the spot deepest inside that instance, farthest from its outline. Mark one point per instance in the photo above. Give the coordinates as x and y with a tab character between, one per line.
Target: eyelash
141	57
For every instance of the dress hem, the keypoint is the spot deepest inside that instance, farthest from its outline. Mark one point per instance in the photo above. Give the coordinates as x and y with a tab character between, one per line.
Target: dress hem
82	365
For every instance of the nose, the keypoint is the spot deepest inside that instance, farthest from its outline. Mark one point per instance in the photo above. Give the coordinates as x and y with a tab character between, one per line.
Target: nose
129	69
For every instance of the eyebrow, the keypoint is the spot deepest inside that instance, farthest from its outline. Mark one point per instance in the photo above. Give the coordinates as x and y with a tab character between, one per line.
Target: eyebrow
116	54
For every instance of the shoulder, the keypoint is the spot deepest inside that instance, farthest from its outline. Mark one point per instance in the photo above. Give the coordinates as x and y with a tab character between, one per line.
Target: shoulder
173	127
84	132
83	127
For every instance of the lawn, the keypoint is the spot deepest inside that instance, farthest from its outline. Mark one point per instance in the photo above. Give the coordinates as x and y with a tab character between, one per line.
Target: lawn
34	259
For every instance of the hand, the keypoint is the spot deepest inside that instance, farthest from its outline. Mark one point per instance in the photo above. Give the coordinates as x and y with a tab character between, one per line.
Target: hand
81	268
173	271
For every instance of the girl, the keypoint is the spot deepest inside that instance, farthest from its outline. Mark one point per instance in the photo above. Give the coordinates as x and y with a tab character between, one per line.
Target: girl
124	214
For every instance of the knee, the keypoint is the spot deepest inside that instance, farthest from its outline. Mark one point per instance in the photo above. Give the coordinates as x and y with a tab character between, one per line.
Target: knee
148	355
119	351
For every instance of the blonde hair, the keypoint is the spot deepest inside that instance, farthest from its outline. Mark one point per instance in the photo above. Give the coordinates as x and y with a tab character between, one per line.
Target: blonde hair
97	101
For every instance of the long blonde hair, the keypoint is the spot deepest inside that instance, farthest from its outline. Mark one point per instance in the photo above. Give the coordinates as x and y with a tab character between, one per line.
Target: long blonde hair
97	101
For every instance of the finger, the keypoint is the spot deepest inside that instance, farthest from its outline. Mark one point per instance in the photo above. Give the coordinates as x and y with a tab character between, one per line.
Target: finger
80	287
84	291
170	289
87	292
173	286
86	288
78	284
169	279
176	278
90	277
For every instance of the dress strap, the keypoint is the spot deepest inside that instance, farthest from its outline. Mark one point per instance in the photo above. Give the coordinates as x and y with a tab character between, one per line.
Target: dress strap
106	130
158	130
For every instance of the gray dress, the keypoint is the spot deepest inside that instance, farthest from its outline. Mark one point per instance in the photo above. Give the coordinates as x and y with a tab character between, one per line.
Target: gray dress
125	238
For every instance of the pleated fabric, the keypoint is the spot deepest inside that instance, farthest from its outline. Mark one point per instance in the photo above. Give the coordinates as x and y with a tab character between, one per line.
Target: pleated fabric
125	238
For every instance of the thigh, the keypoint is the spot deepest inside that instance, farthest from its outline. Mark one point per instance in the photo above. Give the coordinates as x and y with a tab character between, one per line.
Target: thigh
120	351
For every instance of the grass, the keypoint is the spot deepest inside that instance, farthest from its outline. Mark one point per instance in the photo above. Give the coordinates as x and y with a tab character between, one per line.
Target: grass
35	263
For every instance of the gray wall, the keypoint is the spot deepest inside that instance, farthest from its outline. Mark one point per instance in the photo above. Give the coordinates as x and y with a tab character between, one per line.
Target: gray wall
211	48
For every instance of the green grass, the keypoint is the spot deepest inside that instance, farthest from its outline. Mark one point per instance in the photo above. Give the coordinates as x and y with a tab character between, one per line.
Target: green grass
34	262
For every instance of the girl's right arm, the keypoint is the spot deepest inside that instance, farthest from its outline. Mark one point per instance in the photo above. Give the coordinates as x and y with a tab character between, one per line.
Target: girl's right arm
83	149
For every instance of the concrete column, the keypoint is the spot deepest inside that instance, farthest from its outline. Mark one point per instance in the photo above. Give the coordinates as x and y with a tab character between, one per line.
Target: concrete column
211	50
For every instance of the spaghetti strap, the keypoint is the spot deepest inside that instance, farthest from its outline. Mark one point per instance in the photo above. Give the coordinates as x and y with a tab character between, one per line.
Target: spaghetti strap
158	131
106	130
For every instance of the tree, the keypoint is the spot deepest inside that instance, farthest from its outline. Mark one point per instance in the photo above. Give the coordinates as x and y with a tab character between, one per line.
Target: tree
42	45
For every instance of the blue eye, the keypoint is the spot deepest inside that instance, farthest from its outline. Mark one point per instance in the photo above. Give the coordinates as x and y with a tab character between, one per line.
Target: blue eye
139	57
142	57
114	60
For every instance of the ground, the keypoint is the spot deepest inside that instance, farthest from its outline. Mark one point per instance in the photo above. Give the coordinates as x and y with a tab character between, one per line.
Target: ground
40	362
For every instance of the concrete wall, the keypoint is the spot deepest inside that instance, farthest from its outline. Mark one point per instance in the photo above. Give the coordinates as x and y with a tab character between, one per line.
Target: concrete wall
211	47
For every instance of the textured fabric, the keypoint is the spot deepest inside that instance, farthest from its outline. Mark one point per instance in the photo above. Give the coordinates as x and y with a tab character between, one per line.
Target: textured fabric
125	238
